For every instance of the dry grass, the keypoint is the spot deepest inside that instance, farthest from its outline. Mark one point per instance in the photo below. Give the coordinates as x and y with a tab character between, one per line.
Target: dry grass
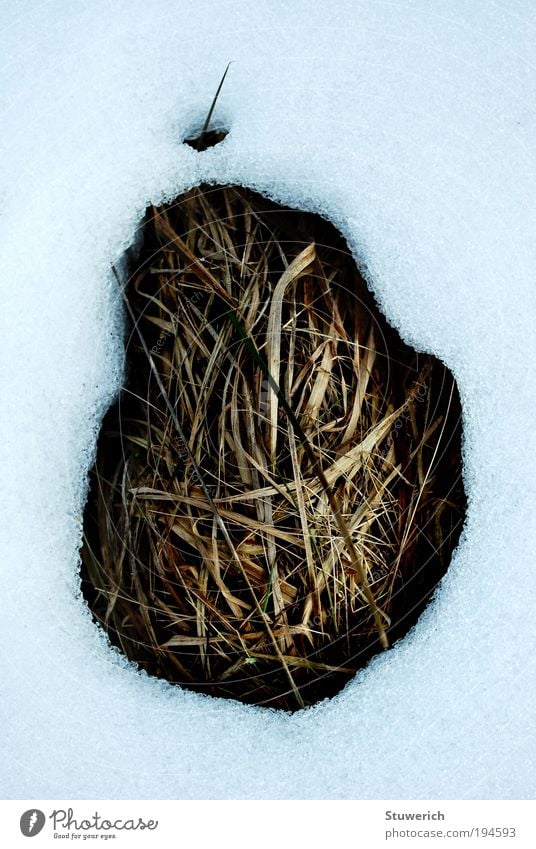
279	485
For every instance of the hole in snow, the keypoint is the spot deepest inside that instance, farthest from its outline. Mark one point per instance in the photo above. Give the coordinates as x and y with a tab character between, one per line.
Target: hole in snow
278	486
202	141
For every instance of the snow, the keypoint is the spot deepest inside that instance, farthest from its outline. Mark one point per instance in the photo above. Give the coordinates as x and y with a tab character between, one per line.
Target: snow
412	126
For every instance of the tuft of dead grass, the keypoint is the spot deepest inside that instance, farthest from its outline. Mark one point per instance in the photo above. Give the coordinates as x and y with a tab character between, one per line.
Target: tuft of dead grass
278	488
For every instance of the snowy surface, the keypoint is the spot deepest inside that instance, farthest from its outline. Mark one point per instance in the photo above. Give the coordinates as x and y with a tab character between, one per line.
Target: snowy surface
412	124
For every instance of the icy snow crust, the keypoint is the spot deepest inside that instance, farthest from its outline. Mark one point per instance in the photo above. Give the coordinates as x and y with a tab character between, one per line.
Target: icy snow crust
412	126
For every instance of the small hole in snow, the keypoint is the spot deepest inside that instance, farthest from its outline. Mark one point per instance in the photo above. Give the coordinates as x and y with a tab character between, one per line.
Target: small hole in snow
203	141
